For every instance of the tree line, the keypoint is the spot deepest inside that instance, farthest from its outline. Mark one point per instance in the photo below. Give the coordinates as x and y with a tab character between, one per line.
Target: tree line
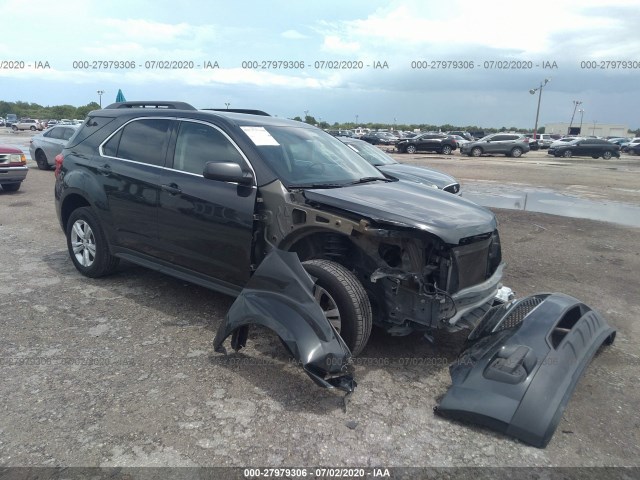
34	110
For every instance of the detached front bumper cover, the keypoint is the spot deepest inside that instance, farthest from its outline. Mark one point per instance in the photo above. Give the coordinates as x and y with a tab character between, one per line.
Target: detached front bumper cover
279	296
522	363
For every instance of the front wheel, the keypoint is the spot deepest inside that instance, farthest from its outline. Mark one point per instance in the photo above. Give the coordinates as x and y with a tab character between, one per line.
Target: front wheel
607	155
446	150
410	149
87	244
475	152
343	300
567	154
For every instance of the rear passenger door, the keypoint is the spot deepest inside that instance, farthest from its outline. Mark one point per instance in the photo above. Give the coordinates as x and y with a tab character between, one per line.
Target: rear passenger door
206	226
130	171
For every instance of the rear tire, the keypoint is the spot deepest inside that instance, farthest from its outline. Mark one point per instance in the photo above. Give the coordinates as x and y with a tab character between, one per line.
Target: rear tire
87	244
516	152
11	187
446	150
607	155
41	160
344	291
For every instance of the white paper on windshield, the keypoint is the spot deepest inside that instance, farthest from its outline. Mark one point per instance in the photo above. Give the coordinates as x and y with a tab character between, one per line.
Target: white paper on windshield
259	136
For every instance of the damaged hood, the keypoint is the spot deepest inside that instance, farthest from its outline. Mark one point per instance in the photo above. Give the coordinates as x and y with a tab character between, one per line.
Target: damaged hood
405	204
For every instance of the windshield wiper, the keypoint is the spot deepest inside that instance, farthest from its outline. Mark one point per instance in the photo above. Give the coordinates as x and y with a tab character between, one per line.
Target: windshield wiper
318	185
368	179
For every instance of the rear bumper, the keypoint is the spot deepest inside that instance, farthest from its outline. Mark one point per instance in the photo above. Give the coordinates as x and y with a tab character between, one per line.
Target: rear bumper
522	363
12	174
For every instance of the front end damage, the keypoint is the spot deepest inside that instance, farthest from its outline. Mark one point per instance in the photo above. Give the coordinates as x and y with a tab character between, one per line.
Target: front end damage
279	297
522	363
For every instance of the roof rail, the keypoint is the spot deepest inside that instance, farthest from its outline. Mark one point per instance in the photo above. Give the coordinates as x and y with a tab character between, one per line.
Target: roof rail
239	110
152	104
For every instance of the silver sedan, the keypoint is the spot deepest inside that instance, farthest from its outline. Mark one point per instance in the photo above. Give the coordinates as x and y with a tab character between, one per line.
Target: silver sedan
45	146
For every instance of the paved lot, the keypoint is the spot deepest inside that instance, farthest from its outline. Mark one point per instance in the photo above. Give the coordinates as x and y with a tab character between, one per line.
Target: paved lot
121	370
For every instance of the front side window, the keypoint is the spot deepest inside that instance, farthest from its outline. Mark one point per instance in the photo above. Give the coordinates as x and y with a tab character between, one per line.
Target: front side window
198	144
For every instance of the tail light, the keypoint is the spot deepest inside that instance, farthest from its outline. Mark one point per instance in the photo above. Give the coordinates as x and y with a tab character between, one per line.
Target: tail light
59	160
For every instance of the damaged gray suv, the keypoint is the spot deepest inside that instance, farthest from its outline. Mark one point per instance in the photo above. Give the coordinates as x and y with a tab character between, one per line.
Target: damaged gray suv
207	195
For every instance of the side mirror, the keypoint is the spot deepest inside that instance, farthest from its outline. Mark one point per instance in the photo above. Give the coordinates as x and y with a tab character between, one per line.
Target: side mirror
227	172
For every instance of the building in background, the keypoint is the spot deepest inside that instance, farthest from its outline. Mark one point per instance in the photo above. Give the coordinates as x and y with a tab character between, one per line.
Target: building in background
588	128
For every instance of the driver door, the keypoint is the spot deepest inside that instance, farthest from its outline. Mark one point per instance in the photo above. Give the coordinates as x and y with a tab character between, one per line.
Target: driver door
206	226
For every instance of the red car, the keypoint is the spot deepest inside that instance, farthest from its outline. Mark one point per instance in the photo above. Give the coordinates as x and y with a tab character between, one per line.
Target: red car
13	168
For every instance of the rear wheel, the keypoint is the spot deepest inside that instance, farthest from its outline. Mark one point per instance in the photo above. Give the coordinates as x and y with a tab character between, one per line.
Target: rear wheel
446	149
607	155
343	300
516	152
87	244
41	160
475	152
11	187
410	149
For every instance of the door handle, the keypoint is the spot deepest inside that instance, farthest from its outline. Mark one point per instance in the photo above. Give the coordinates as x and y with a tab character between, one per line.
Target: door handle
105	169
172	188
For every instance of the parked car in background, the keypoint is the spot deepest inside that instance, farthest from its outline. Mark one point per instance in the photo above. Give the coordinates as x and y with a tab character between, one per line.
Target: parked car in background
376	138
13	168
409	173
586	147
27	124
533	144
561	141
428	142
51	123
635	149
46	145
461	133
509	144
627	146
460	140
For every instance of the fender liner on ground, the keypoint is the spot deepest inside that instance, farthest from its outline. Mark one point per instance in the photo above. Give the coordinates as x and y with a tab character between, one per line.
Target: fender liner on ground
522	363
279	296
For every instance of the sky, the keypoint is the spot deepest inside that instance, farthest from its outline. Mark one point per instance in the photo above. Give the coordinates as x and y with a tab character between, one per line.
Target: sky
590	51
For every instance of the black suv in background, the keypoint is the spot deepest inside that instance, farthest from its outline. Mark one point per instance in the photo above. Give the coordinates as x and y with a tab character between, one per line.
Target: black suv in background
589	147
428	142
218	199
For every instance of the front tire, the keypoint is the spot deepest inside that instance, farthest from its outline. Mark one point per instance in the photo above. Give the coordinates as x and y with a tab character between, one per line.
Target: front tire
607	155
446	150
475	152
410	149
87	244
567	154
344	301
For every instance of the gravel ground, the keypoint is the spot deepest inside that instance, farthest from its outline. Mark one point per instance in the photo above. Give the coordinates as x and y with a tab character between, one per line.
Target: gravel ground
120	371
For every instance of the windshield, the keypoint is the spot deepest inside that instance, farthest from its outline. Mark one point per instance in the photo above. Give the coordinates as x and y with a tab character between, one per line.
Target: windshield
371	154
307	157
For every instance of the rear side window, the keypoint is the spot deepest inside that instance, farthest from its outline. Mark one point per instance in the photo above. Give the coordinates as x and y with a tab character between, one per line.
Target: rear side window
143	140
90	126
198	144
54	133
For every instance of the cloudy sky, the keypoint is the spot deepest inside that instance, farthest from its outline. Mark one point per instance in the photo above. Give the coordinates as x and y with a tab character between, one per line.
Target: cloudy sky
567	35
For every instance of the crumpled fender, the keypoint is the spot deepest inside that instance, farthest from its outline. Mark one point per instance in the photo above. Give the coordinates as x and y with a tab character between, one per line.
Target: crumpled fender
522	363
279	296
